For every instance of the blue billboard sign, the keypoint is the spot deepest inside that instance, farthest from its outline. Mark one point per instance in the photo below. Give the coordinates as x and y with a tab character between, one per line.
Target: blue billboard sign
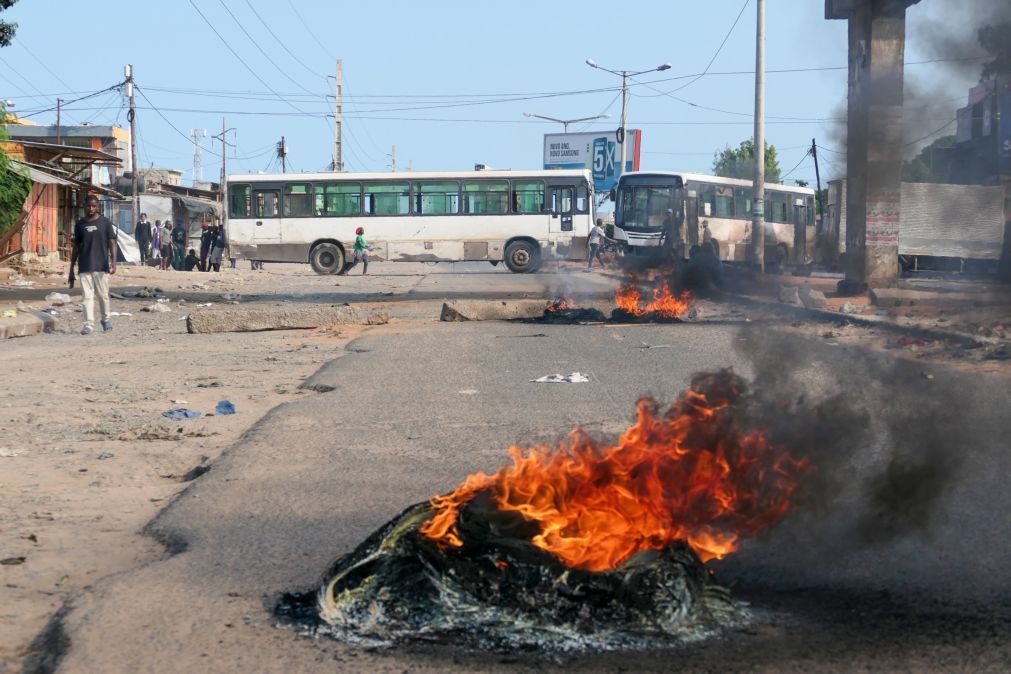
598	153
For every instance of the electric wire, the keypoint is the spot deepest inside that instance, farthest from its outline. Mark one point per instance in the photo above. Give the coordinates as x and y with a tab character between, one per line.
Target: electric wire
790	172
718	50
281	42
21	44
307	28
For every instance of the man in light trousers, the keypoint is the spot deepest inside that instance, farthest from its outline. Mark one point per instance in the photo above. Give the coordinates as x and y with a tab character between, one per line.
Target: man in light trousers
94	255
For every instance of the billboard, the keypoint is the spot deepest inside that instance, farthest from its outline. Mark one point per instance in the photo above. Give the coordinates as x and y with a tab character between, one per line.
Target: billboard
598	153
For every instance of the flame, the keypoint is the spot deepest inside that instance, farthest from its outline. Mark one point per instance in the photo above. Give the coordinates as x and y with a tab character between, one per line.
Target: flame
664	303
689	474
563	304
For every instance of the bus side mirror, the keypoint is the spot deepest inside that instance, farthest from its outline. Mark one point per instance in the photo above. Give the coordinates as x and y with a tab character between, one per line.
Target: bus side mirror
612	194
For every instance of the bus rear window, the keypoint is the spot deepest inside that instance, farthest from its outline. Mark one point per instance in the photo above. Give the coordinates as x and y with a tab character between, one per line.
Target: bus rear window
239	200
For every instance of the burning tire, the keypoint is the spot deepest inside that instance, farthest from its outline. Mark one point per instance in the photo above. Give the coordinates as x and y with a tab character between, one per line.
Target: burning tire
523	257
326	258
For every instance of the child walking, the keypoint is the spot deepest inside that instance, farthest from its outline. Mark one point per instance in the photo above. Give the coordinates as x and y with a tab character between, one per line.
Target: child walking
361	253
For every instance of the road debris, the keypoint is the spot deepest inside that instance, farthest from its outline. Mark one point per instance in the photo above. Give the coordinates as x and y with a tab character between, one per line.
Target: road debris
574	378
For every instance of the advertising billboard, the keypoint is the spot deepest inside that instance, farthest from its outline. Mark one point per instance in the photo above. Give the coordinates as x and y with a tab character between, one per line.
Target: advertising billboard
598	153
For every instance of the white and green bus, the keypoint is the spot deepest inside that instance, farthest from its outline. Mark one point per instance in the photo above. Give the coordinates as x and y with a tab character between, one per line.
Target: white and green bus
518	217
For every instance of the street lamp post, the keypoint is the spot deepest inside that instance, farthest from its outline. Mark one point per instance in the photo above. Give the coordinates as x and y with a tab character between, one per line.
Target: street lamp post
625	74
565	122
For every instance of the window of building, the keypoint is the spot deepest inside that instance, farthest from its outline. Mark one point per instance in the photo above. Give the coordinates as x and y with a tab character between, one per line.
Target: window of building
486	196
239	200
528	196
297	200
387	198
437	198
338	199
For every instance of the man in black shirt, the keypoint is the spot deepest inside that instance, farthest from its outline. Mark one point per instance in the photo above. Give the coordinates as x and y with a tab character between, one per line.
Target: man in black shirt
143	235
94	253
179	237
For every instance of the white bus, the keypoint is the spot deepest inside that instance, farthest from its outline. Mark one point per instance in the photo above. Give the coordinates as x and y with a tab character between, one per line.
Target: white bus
519	217
641	217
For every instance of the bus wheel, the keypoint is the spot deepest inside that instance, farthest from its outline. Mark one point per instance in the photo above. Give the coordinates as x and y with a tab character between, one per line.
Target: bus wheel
326	258
522	257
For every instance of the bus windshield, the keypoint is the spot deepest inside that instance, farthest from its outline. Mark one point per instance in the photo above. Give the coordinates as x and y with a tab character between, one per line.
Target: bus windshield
644	207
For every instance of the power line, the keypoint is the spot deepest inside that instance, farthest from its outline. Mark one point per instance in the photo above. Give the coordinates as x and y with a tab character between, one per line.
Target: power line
39	61
63	104
261	50
189	139
280	41
718	50
307	28
787	174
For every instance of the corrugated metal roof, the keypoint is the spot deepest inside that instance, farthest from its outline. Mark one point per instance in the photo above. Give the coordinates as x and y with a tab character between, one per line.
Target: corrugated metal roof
39	176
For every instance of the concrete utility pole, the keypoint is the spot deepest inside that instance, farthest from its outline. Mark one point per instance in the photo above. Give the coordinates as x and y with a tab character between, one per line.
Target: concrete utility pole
393	159
338	118
59	137
198	161
877	45
224	146
132	116
758	186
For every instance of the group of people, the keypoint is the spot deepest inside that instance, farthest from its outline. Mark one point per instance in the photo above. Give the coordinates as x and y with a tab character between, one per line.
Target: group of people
169	242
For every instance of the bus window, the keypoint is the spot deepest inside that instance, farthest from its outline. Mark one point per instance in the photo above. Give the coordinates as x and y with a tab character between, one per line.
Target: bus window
724	202
436	198
486	196
561	200
266	204
239	200
781	204
810	210
707	195
528	196
742	202
387	198
338	199
297	200
582	199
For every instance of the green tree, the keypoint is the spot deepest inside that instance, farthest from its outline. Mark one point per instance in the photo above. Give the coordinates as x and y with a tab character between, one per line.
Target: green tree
7	29
14	186
740	162
801	183
930	165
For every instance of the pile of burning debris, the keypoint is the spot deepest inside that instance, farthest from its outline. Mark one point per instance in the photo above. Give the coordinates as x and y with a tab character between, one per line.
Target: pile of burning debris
663	306
588	545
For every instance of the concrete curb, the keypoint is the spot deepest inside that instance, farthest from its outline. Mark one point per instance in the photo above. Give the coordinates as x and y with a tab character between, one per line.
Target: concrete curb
867	321
27	323
286	317
492	310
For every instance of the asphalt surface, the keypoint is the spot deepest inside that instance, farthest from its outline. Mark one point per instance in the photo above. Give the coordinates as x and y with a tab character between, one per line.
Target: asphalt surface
898	562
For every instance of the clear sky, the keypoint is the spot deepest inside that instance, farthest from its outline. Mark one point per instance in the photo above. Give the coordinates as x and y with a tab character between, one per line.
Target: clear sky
446	82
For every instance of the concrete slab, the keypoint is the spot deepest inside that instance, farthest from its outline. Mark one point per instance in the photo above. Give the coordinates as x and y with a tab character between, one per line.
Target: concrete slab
282	317
897	297
492	310
27	323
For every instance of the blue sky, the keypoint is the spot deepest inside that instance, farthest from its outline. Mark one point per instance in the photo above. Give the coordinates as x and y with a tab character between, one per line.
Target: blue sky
446	82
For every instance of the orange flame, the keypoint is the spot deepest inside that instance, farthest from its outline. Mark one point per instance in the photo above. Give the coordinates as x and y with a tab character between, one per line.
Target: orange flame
563	304
664	302
689	474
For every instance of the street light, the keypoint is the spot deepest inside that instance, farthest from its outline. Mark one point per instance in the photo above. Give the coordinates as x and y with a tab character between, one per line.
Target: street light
565	122
625	74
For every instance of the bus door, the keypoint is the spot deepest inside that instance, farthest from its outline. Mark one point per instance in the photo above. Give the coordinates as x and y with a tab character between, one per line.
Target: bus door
266	215
561	199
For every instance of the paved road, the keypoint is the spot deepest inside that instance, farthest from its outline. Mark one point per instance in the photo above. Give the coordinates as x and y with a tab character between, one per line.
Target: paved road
417	406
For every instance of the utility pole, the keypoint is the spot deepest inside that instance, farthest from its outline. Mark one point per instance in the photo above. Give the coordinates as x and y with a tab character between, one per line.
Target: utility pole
132	116
338	117
198	161
59	139
224	145
758	208
624	118
282	153
817	181
393	159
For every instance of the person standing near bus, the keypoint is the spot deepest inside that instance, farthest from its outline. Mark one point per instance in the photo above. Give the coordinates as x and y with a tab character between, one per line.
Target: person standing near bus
217	247
361	253
94	253
597	235
207	234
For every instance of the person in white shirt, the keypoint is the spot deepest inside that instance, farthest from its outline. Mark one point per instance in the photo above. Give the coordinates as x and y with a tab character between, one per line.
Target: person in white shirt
597	234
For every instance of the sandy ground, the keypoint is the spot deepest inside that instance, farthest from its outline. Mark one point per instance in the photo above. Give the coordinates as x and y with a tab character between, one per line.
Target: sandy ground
86	457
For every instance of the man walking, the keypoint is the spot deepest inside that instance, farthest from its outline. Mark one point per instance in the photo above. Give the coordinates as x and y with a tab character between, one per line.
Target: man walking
165	242
94	253
143	235
207	235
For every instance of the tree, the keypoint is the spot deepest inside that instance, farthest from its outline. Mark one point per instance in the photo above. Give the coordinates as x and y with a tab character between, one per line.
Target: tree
7	29
801	183
740	162
930	165
14	186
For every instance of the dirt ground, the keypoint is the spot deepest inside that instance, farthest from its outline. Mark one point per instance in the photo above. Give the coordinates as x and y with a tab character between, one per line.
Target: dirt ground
86	457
